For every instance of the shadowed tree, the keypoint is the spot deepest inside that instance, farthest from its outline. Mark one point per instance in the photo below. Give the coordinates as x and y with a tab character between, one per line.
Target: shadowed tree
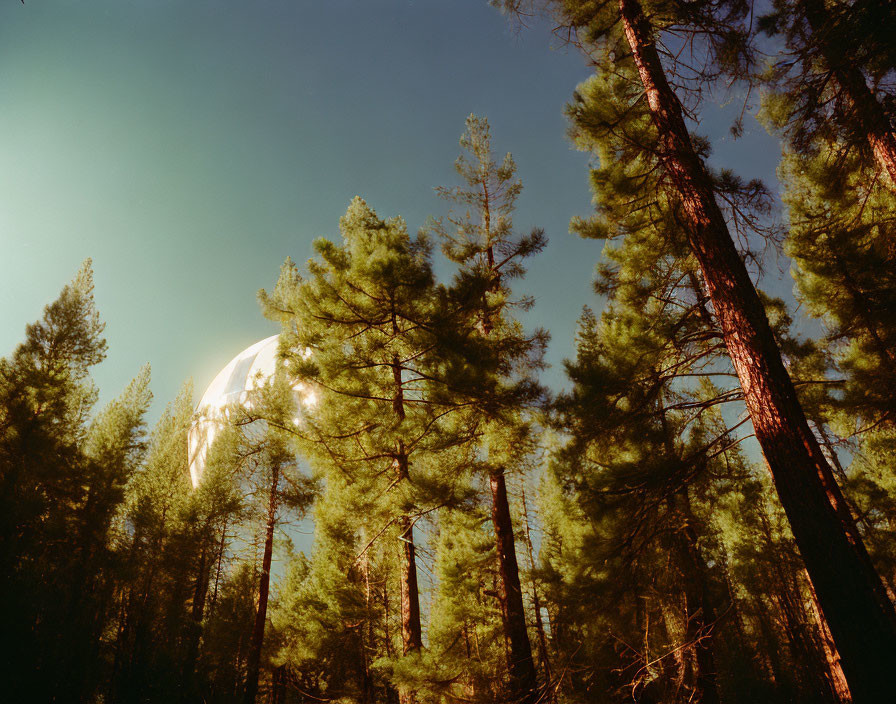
62	477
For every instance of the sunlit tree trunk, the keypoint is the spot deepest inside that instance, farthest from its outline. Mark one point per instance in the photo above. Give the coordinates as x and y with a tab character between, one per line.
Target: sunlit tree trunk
519	651
852	596
786	595
367	691
219	568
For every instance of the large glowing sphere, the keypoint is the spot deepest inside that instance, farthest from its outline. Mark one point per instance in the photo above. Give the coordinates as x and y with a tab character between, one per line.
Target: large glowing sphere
233	385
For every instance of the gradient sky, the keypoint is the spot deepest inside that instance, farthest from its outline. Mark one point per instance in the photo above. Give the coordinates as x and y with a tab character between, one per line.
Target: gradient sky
188	148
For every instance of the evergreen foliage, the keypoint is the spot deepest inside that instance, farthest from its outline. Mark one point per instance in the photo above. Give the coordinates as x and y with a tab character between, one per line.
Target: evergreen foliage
474	540
480	239
364	327
834	83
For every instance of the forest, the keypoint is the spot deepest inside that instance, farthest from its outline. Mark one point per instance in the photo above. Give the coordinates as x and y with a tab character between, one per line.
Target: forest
706	512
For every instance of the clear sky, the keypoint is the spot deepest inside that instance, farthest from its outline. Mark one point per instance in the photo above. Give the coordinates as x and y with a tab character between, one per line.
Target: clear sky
189	147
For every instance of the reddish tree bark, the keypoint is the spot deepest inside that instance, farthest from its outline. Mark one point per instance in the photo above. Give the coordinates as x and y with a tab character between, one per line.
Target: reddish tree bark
411	635
520	666
869	112
835	670
852	596
367	690
254	659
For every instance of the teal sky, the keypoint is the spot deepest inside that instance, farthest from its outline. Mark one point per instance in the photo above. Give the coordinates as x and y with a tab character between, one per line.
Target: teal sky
188	148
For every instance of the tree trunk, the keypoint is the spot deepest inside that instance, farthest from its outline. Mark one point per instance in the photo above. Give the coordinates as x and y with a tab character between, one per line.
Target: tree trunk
254	660
544	654
811	666
220	565
870	114
278	686
194	627
520	666
835	669
411	632
391	694
781	676
367	690
701	611
788	597
852	596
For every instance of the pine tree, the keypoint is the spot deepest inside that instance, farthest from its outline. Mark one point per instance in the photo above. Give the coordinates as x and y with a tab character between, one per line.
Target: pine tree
257	443
330	614
166	537
840	239
467	627
840	217
46	482
838	153
481	241
228	631
768	581
113	448
653	513
635	479
364	329
46	399
624	37
821	84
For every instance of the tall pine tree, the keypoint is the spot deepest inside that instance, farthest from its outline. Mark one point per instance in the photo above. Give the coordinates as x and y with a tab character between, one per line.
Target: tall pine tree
624	39
479	238
364	327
